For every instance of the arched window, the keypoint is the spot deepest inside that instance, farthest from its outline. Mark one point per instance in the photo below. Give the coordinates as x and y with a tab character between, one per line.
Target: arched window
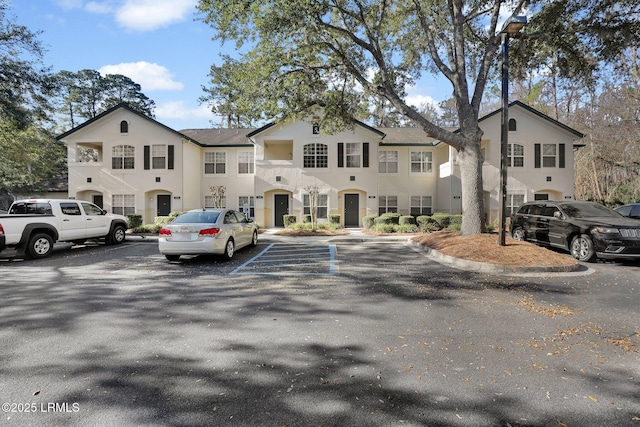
512	125
122	157
124	126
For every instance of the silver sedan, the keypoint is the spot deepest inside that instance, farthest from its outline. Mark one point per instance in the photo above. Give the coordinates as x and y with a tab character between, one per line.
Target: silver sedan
207	231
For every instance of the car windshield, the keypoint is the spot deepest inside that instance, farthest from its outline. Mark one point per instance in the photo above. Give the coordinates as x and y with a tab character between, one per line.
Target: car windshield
586	210
207	217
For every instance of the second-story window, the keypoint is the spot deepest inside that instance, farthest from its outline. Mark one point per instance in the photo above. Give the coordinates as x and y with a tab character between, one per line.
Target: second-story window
215	162
549	152
421	161
245	162
315	156
515	155
123	157
158	156
388	162
124	126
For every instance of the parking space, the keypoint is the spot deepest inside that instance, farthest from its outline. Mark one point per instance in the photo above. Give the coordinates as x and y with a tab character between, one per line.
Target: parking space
292	260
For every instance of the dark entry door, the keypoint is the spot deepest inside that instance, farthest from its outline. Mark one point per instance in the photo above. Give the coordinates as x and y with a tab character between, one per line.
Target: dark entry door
164	204
351	210
98	200
281	202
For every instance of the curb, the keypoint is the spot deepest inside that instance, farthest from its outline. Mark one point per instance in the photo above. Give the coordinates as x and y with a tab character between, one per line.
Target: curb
483	267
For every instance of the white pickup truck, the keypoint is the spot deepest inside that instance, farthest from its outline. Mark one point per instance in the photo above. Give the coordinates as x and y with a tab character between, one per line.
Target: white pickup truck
33	226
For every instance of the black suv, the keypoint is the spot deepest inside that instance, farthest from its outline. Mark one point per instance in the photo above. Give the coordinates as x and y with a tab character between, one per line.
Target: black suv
586	229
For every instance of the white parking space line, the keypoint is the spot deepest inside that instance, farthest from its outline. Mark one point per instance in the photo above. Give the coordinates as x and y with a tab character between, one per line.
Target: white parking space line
292	260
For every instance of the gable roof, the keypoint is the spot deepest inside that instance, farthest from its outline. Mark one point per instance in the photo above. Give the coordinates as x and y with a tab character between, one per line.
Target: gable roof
123	105
537	113
220	137
357	122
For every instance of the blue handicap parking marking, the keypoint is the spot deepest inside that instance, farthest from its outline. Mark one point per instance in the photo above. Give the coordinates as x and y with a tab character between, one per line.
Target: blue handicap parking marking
292	259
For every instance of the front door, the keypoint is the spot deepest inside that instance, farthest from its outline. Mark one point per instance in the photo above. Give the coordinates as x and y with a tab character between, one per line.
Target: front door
98	200
351	210
281	202
164	204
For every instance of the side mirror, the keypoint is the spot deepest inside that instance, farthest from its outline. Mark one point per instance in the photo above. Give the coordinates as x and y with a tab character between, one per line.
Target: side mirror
557	215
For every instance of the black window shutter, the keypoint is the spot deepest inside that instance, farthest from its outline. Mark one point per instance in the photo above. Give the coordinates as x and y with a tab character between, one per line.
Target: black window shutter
561	148
170	159
340	154
365	154
147	157
537	154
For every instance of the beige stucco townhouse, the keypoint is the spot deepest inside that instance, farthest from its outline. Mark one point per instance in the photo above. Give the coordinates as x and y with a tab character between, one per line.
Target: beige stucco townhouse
129	163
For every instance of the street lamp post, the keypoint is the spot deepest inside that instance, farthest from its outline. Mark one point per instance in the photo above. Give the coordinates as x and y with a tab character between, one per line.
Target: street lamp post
512	27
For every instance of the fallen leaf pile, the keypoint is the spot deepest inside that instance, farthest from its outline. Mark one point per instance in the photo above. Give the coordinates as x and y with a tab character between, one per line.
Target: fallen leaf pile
485	248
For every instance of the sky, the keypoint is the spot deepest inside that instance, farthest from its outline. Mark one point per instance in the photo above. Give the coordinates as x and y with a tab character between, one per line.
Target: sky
159	44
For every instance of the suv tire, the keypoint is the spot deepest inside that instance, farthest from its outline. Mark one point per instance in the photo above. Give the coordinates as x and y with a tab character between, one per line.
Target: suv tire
582	248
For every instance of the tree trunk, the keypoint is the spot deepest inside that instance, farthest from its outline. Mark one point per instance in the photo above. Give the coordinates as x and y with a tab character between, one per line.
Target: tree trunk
470	161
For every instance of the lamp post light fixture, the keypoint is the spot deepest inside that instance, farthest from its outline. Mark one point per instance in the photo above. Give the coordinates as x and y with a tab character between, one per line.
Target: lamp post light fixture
511	27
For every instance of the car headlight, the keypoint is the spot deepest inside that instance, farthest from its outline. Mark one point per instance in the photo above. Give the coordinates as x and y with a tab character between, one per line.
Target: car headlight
606	230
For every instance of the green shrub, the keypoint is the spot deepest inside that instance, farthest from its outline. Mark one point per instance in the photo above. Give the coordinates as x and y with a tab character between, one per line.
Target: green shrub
147	229
162	220
368	221
289	220
455	227
334	219
306	218
455	219
407	220
406	228
444	219
134	221
426	224
384	228
388	218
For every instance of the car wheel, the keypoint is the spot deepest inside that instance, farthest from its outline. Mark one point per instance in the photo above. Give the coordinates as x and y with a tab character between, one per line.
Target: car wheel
40	246
117	235
254	239
582	248
229	249
172	257
518	234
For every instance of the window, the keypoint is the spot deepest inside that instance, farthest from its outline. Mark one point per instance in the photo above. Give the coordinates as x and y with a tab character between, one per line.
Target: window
247	202
388	162
515	155
91	209
245	162
387	204
321	208
215	162
513	201
356	154
315	156
421	205
421	161
512	125
70	208
123	157
353	154
124	127
549	152
123	204
158	156
208	202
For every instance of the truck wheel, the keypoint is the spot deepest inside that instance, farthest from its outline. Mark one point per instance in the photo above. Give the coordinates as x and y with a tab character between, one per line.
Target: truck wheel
40	246
117	235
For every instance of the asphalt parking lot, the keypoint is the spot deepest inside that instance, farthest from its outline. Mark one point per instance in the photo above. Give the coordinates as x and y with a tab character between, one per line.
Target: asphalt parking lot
330	332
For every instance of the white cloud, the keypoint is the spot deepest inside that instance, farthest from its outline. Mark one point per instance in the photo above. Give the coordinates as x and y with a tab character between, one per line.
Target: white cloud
97	7
177	110
149	76
149	15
